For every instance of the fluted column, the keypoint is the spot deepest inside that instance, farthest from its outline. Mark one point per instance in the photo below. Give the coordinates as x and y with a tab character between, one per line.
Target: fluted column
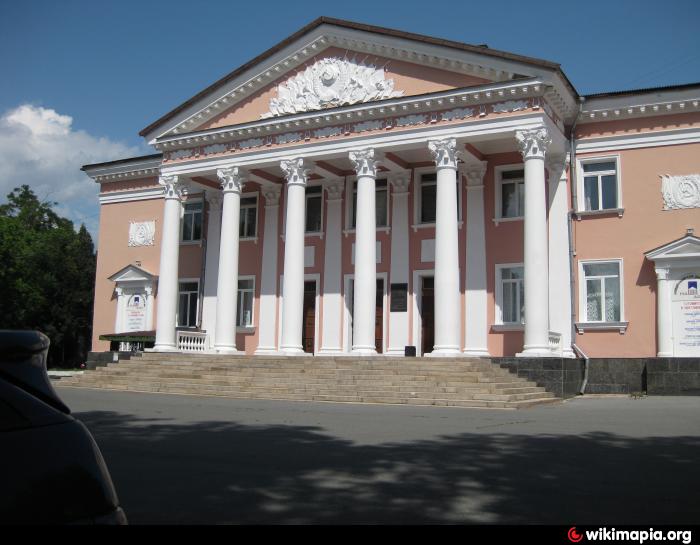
559	270
169	256
293	287
232	180
268	286
447	300
398	320
533	145
365	291
664	317
332	270
211	268
476	325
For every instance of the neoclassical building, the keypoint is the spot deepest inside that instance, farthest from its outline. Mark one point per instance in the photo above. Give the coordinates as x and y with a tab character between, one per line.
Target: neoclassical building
360	190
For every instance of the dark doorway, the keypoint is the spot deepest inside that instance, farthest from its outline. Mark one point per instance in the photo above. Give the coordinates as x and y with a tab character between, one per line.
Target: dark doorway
308	336
427	314
379	318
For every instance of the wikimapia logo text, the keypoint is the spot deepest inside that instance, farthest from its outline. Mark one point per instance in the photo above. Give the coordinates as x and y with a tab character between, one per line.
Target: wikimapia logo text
638	536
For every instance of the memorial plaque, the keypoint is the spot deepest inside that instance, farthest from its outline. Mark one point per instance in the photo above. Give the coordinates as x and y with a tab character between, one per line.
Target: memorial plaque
399	297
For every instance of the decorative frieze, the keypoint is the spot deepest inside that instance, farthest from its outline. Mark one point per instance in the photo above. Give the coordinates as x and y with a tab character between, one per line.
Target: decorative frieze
142	233
327	132
510	106
214	148
251	143
410	120
290	137
681	191
371	125
457	113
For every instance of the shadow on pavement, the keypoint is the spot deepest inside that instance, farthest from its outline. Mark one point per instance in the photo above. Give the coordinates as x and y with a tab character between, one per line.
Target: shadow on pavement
214	473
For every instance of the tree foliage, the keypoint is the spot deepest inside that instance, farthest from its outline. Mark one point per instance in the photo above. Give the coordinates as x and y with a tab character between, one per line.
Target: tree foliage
47	274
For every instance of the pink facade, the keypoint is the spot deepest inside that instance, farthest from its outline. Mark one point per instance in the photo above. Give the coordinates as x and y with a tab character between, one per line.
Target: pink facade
633	153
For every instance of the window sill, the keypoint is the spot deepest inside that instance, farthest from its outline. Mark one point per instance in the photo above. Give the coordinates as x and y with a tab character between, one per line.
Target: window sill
592	213
496	221
308	235
191	242
621	327
417	226
387	230
245	329
248	239
497	328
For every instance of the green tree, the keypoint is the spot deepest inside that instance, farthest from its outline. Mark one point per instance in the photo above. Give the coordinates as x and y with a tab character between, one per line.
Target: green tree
47	273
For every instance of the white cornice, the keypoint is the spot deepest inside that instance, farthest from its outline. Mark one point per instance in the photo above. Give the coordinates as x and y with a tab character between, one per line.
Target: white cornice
638	140
662	102
125	170
135	195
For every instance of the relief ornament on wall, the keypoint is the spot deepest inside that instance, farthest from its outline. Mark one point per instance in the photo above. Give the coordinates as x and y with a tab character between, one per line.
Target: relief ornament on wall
681	191
142	233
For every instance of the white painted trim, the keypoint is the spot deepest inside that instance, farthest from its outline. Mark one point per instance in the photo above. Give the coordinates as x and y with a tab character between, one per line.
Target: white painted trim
128	196
582	307
498	301
347	318
580	161
636	141
417	305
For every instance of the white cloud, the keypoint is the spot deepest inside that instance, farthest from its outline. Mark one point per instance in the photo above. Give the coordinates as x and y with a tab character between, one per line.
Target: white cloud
40	148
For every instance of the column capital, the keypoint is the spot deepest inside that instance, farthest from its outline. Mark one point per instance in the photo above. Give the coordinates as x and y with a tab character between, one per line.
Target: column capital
295	171
272	195
334	189
173	187
400	183
119	291
232	179
149	290
662	274
215	201
364	163
474	172
555	163
533	143
445	152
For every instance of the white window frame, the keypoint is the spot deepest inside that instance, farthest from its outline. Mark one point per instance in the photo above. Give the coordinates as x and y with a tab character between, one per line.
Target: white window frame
182	220
498	317
417	196
582	300
199	300
350	190
498	205
248	195
238	302
580	175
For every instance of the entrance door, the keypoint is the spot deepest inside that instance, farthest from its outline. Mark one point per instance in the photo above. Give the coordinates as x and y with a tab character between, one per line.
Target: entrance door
427	314
308	336
379	318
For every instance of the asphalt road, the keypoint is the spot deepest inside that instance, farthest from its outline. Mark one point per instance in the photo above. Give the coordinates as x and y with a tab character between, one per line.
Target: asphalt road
590	461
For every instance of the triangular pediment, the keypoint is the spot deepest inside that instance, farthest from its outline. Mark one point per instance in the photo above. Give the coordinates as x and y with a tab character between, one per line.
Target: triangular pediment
318	68
686	247
131	273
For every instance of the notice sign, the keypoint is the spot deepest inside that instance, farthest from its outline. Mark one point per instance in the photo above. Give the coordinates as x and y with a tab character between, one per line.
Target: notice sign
136	313
686	317
399	298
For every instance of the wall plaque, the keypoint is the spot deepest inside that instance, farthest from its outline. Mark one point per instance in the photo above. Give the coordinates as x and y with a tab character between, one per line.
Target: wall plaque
399	297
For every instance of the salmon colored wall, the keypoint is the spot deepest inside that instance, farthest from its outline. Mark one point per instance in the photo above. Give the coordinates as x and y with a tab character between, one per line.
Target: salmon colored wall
643	227
411	78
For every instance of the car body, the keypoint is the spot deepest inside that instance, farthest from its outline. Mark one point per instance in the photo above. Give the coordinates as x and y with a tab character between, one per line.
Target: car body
52	471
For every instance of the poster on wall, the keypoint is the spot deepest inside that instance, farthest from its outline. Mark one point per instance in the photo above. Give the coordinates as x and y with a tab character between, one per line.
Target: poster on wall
686	317
136	313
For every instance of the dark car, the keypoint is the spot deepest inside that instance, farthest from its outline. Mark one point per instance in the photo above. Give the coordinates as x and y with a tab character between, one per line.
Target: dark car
51	470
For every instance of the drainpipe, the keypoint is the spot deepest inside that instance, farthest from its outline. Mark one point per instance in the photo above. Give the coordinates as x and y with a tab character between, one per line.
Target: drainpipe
586	360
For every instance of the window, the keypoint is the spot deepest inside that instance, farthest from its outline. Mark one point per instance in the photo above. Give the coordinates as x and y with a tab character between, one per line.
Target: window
314	209
381	204
510	294
602	301
187	305
427	211
600	185
246	293
192	222
249	217
512	194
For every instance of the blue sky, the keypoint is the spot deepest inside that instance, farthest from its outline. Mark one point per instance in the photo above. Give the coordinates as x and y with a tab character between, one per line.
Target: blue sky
91	74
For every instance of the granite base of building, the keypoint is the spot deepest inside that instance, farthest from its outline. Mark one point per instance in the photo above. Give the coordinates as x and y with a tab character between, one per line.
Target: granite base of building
561	376
101	359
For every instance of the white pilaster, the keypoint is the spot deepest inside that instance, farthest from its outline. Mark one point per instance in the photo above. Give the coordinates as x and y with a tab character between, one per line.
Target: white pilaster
232	180
447	299
211	267
664	318
268	285
475	320
533	146
332	274
119	324
293	283
364	298
559	271
149	308
169	256
398	321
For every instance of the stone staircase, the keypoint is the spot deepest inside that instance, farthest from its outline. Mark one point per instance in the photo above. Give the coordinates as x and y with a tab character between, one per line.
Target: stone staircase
469	382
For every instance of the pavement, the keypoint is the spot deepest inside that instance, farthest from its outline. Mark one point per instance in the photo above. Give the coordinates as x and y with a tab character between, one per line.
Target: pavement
207	460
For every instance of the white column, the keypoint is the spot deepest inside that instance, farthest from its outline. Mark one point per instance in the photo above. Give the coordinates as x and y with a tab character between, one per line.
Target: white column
232	180
169	256
664	317
268	286
559	271
332	273
476	323
447	299
398	321
118	326
211	267
533	145
365	291
293	286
